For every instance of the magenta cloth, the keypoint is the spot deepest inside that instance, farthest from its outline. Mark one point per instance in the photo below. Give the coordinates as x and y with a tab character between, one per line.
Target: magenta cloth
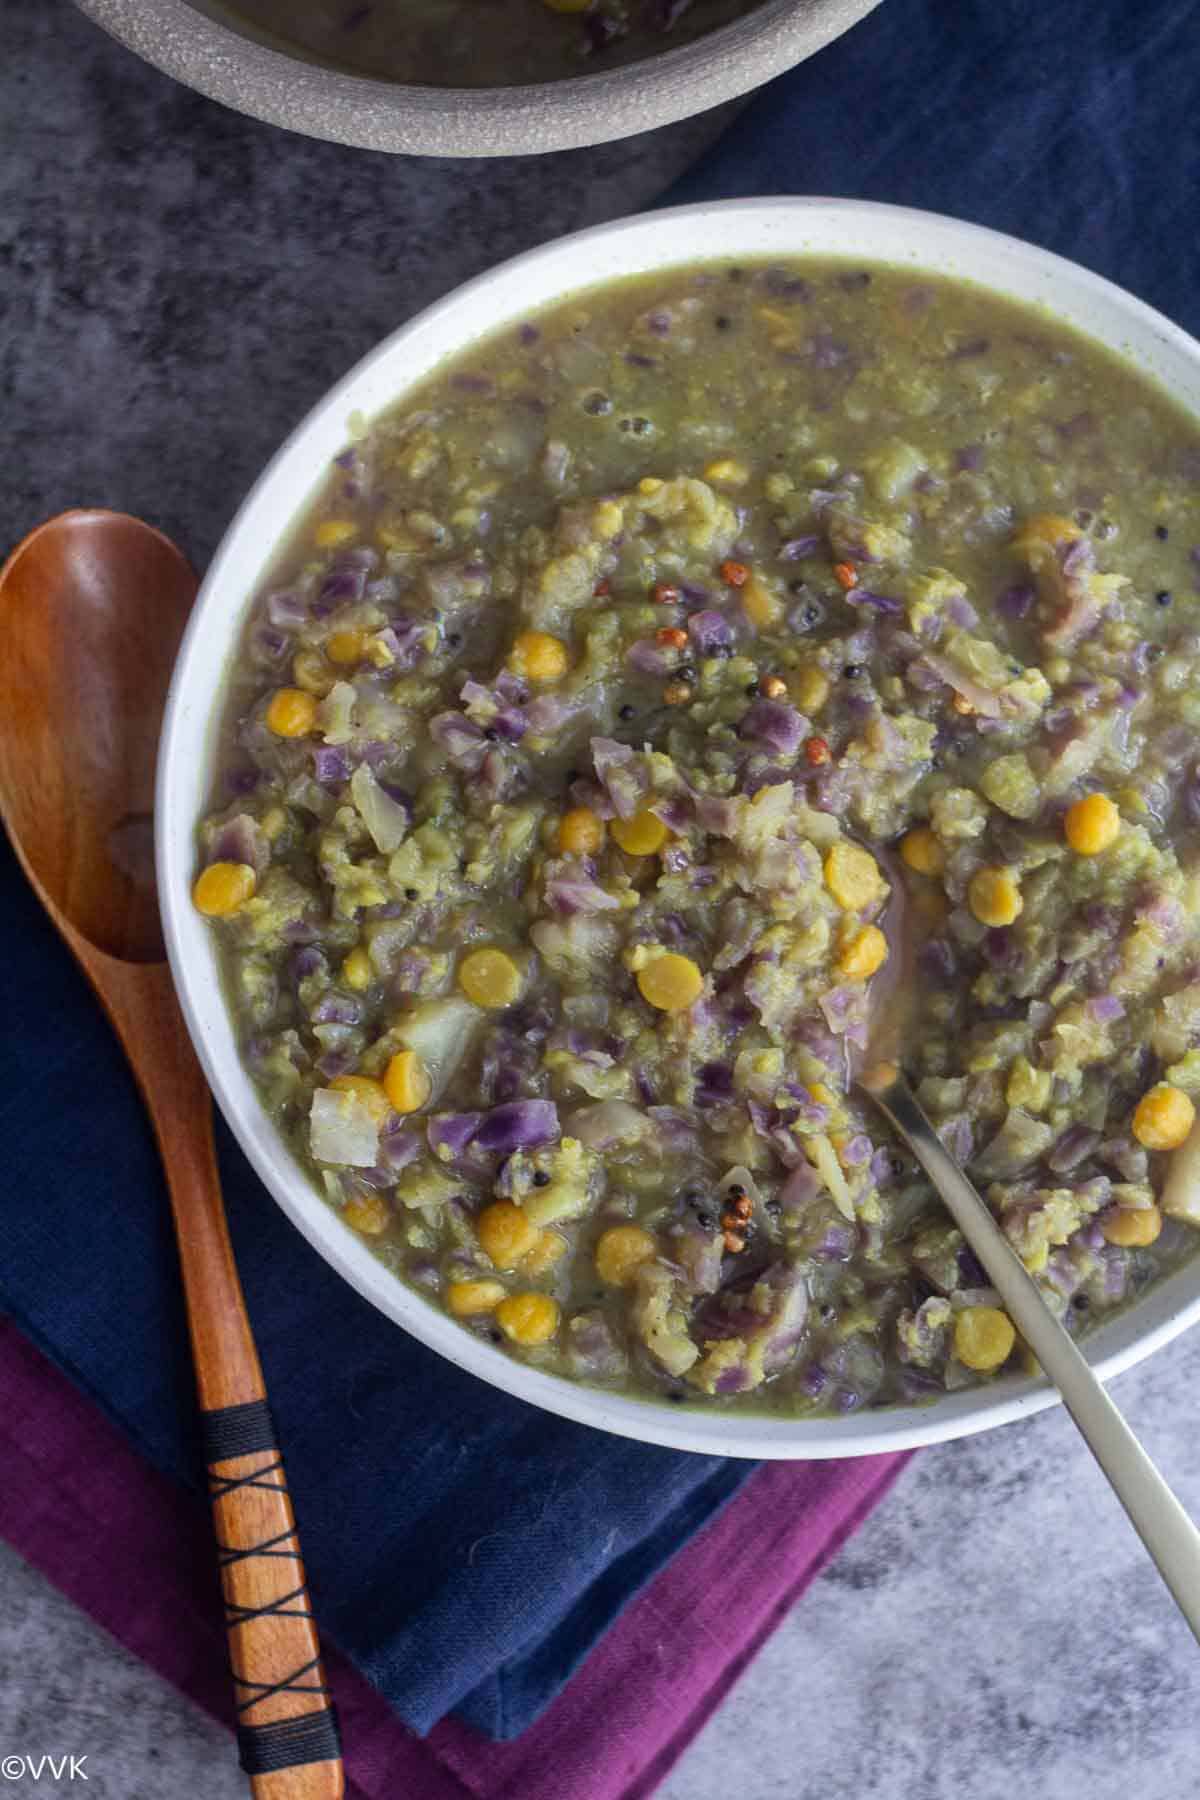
135	1551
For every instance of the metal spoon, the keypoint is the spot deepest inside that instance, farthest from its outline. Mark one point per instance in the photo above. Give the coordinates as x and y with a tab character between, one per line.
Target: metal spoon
93	605
1157	1517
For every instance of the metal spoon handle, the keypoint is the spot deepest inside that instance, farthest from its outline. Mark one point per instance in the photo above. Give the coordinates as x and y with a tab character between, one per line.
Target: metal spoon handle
1157	1517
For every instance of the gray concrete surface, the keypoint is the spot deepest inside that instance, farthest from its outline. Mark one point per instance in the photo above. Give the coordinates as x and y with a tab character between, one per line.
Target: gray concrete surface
177	285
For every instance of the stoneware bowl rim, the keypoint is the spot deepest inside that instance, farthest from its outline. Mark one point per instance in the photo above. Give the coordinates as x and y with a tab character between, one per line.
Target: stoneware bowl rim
923	242
241	70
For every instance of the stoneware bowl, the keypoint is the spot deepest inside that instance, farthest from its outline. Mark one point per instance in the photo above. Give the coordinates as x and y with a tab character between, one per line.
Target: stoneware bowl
188	40
751	228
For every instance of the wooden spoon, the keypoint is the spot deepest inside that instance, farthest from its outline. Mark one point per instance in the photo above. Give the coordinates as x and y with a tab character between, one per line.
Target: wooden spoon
93	605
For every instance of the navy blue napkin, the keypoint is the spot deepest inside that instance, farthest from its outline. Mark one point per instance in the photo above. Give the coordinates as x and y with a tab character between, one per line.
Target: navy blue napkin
465	1550
1072	123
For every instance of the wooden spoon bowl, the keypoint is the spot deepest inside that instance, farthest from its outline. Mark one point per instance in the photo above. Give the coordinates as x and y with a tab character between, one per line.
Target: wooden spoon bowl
93	605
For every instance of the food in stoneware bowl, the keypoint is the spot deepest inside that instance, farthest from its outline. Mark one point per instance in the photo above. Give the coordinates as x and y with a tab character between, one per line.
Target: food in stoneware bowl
484	78
466	44
615	690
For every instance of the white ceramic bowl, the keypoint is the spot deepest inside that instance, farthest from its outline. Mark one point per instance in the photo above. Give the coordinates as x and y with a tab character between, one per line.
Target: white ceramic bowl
752	228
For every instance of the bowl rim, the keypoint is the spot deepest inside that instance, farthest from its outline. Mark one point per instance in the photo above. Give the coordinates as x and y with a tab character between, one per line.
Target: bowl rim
244	71
640	245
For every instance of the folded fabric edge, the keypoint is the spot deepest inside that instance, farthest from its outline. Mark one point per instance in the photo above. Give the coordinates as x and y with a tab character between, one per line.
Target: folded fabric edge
55	1445
497	1708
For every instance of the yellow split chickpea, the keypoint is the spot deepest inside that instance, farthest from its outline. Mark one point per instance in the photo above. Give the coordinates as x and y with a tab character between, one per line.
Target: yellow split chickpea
505	1233
1163	1117
865	953
811	689
489	978
580	832
368	1214
332	532
759	604
852	877
292	713
222	888
406	1082
1092	824
538	656
357	971
994	896
671	983
311	672
621	1252
1132	1229
346	647
983	1337
467	1298
922	851
550	1248
372	1093
642	835
528	1319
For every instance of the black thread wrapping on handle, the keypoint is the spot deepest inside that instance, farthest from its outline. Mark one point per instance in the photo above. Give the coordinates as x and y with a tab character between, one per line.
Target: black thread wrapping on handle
229	1431
234	1431
314	1737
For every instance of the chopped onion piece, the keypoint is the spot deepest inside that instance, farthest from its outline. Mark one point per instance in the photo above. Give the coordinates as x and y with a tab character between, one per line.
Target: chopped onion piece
343	1129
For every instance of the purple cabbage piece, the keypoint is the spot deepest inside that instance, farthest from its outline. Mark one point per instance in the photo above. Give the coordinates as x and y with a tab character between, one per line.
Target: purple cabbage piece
570	889
882	1171
461	739
1073	1147
591	1350
336	1009
405	636
331	765
718	815
801	1188
1016	602
836	1243
545	714
771	1334
710	631
958	1138
778	728
270	645
676	1129
651	658
286	611
699	1254
937	961
451	1134
625	782
240	840
398	1145
882	603
511	723
960	612
305	961
519	1125
857	1153
1116	1274
1106	1009
714	1083
795	549
845	1012
342	584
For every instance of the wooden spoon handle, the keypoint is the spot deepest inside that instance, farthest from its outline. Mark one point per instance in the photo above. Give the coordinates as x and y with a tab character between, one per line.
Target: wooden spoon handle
286	1725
